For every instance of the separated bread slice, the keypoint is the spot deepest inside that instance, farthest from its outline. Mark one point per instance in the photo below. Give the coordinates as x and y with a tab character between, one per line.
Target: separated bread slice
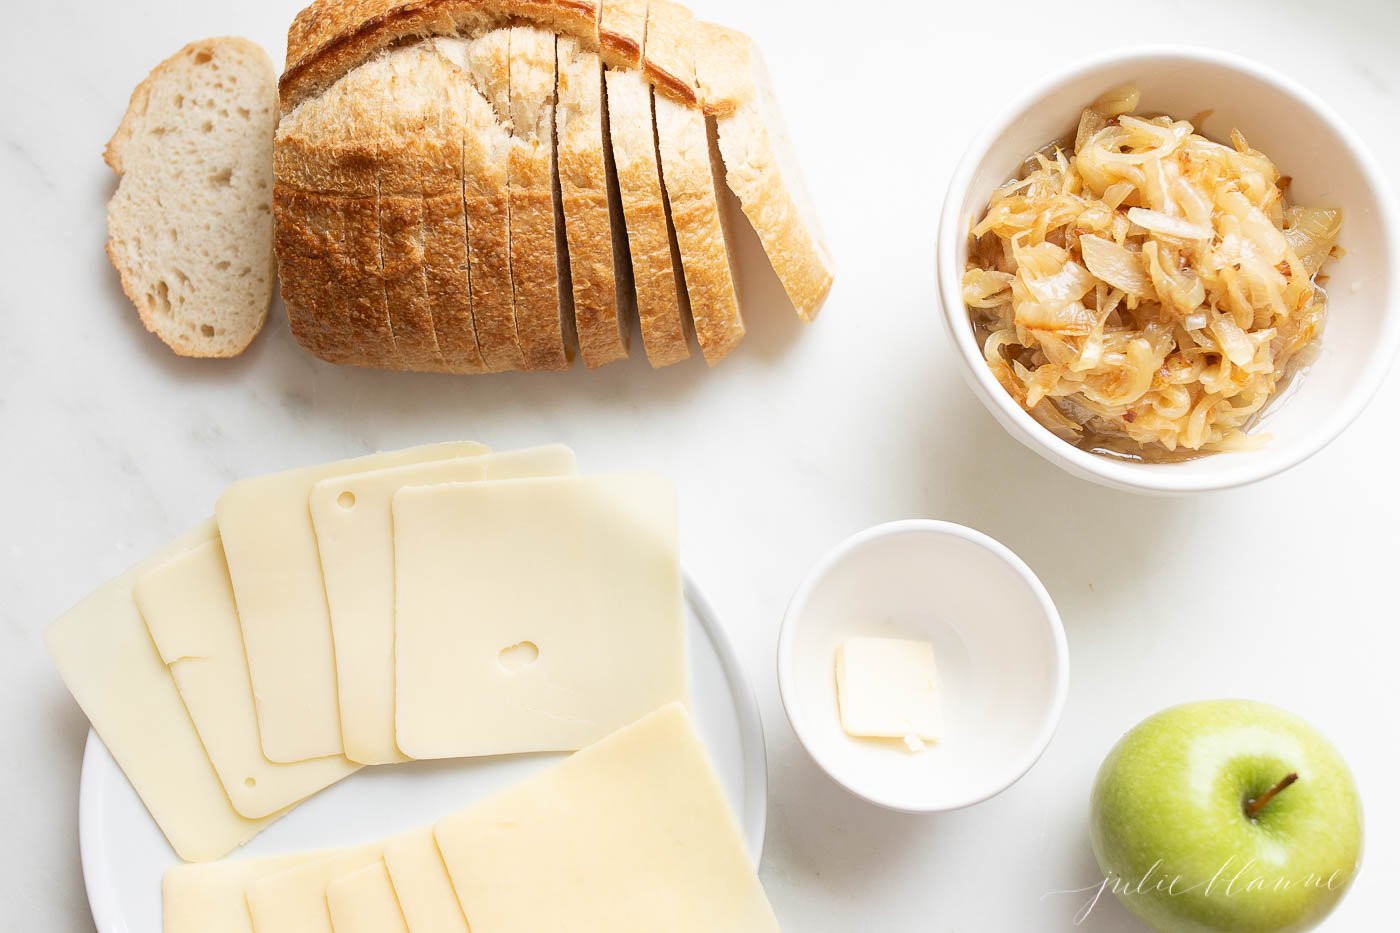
400	164
190	226
537	267
631	127
326	181
484	63
689	166
760	167
595	264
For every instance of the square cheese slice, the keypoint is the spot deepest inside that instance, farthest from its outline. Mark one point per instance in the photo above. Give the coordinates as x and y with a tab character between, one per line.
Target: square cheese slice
106	657
270	544
888	688
534	614
212	898
364	902
631	835
188	607
420	880
294	900
355	535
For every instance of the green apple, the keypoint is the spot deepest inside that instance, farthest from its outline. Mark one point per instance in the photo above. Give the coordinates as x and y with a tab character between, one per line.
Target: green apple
1226	816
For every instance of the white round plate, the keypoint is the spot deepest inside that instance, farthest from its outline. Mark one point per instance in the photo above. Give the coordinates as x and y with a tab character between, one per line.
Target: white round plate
125	855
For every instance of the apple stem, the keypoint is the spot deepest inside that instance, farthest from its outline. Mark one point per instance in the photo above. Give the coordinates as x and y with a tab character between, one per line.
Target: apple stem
1253	808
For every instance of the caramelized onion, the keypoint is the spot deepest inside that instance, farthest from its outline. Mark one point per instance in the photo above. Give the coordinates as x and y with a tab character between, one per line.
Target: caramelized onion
1149	291
1115	265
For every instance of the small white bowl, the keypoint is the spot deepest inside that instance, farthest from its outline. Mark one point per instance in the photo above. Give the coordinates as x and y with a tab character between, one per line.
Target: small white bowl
1003	664
1330	167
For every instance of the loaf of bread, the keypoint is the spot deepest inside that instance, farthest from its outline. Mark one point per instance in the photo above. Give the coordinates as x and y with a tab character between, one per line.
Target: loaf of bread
472	186
189	228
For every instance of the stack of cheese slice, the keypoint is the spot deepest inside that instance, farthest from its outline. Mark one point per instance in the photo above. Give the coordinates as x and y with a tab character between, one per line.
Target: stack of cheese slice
484	185
630	834
436	602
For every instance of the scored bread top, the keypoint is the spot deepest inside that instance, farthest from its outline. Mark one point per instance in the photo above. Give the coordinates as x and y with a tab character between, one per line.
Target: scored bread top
332	37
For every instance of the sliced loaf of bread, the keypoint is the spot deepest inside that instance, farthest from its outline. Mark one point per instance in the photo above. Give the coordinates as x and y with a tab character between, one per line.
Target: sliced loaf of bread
190	225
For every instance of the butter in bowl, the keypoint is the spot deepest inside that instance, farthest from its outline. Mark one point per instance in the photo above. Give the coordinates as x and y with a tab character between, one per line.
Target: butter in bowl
923	666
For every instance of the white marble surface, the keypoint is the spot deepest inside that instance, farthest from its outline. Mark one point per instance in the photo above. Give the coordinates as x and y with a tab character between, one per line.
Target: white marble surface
1282	592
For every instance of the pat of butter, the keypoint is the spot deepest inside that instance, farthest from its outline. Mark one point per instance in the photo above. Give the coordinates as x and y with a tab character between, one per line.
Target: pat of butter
888	688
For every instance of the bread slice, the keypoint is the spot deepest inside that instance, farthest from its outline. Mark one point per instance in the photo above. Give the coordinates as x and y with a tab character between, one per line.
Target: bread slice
594	264
574	19
308	231
655	272
324	164
537	267
190	226
438	102
622	30
669	56
401	230
658	290
760	166
483	64
688	170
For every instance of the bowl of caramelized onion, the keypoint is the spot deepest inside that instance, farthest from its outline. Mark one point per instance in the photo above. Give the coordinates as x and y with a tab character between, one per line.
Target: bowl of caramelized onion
1171	270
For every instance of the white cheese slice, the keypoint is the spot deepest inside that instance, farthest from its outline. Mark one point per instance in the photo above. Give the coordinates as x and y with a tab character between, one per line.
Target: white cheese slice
276	571
107	659
420	880
355	534
534	614
631	835
212	898
364	902
294	900
888	688
188	607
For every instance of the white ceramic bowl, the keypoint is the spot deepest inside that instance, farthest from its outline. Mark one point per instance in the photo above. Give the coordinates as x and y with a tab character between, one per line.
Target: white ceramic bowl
1330	167
1002	661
